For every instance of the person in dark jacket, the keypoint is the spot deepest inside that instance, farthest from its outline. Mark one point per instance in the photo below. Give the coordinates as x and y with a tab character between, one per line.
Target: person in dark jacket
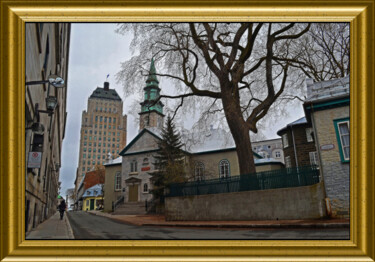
62	208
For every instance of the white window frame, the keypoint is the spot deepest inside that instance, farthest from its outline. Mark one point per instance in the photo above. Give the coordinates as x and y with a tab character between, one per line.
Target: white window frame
145	186
277	156
285	140
224	168
199	171
309	136
341	144
118	181
288	162
314	158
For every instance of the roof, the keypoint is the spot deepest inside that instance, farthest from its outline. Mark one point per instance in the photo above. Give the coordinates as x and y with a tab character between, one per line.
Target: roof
93	191
116	161
327	90
144	130
109	94
300	121
266	161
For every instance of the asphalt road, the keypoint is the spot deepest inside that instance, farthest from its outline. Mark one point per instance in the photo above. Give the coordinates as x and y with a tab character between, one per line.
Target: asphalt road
89	226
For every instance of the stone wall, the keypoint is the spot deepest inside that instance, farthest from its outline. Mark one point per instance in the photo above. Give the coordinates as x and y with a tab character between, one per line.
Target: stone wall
335	173
286	203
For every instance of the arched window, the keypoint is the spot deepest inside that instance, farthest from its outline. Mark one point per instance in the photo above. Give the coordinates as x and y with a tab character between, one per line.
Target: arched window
199	171
118	181
145	161
145	187
224	168
133	166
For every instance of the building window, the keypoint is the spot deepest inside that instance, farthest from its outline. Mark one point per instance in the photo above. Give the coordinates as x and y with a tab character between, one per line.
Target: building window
313	158
118	181
309	134
87	202
224	169
342	128
199	171
288	162
285	140
133	166
277	154
145	188
145	162
84	155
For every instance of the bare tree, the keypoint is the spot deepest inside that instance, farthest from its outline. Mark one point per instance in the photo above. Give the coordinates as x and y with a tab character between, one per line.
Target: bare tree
240	69
325	51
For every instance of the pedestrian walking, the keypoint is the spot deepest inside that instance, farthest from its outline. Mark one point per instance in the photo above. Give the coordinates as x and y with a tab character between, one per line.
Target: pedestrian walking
62	208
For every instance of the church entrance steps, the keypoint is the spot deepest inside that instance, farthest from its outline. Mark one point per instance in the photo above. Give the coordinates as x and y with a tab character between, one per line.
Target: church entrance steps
131	208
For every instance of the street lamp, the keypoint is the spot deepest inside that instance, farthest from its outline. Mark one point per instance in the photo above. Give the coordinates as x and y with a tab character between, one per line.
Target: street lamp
54	80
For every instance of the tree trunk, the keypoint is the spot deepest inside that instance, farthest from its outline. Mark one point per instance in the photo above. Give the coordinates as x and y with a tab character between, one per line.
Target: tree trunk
240	133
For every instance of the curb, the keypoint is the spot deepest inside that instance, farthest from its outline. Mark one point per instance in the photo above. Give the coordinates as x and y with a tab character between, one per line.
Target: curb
326	225
70	230
304	225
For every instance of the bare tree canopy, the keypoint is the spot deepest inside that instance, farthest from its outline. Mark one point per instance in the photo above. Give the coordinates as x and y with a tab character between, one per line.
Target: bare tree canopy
325	51
242	69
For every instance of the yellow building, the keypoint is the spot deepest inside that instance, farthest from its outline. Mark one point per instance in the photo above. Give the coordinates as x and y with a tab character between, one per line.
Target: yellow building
93	198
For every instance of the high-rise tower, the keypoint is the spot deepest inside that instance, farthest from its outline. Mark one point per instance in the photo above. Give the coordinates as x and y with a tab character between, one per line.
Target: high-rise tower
151	114
103	130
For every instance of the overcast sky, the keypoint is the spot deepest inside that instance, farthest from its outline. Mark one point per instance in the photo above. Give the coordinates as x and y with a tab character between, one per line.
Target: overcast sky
96	51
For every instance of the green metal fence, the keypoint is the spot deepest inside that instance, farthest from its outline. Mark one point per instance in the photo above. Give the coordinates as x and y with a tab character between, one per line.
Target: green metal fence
281	178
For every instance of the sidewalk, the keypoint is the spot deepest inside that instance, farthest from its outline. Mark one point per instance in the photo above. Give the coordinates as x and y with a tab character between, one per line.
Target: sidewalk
159	220
52	228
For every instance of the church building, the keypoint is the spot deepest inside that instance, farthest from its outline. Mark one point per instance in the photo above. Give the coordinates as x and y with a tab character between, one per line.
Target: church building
212	160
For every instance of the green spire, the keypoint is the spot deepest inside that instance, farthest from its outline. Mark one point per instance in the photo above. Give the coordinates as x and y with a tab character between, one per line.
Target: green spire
152	75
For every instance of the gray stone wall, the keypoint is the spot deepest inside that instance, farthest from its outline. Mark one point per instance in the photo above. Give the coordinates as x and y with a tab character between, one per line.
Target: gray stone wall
286	203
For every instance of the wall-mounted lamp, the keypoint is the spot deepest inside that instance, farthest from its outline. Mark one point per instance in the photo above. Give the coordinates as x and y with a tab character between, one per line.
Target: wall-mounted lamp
54	80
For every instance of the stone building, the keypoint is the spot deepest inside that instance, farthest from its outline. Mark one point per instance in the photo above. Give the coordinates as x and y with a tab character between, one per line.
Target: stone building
327	109
113	189
103	130
298	143
47	53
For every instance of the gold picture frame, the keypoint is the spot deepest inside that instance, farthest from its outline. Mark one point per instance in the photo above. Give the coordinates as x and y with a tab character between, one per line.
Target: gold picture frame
14	247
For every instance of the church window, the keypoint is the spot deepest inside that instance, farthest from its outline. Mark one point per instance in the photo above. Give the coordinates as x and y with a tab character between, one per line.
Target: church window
133	166
199	171
224	168
145	187
118	181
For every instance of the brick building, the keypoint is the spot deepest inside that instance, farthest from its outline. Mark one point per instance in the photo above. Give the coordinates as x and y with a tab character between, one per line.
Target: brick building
103	130
47	53
327	109
298	144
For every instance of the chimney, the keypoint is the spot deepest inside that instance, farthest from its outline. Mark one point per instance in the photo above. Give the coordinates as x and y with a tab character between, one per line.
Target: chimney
309	87
106	86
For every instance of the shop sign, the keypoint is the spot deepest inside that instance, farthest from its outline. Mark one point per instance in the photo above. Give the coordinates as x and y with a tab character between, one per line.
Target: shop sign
35	159
145	168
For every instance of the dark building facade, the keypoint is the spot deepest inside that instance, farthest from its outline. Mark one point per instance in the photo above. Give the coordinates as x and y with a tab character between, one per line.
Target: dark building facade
298	144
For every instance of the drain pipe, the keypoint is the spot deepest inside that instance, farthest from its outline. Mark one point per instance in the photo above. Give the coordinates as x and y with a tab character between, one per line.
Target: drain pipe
295	155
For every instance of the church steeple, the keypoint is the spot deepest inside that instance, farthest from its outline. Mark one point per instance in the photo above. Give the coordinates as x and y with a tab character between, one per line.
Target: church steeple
151	114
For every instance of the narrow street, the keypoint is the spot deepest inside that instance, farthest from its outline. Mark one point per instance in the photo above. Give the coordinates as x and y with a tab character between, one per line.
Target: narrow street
88	226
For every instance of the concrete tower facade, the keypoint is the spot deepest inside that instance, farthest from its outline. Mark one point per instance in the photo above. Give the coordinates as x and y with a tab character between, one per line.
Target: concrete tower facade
103	130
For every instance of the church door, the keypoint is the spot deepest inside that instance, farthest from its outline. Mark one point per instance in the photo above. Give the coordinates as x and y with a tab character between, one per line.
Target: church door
133	193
